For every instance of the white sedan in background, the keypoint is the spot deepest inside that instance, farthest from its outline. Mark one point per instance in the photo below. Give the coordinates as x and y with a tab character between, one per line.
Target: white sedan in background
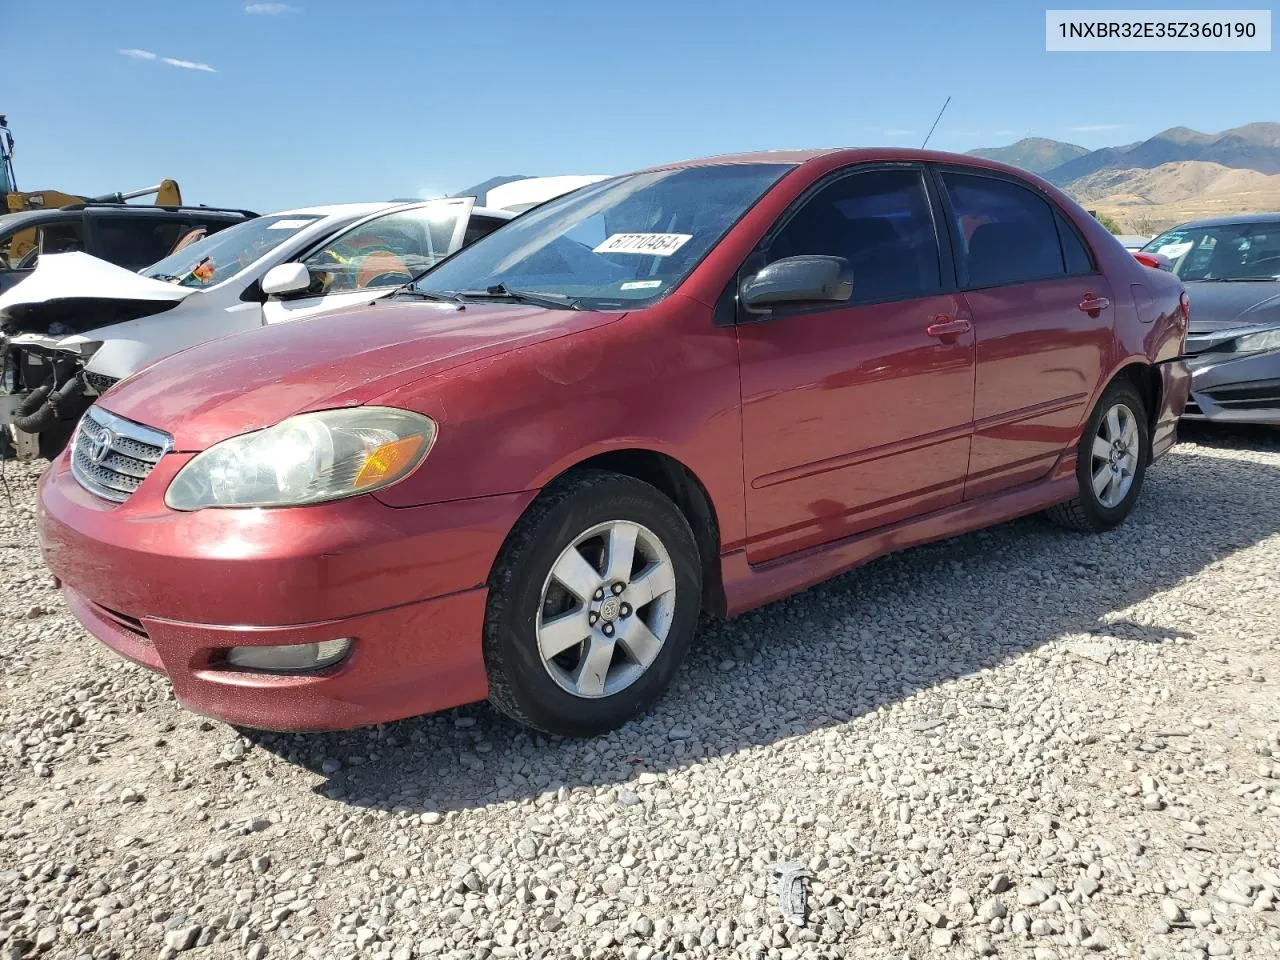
78	324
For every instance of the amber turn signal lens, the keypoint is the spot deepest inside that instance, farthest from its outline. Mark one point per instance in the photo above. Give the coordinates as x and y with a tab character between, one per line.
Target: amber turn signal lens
387	461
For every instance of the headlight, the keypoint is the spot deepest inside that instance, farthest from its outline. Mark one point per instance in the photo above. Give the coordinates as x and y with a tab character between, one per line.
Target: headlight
310	458
1258	342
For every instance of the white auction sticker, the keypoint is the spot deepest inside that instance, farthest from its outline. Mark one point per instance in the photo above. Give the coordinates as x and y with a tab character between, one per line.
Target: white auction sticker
640	285
647	244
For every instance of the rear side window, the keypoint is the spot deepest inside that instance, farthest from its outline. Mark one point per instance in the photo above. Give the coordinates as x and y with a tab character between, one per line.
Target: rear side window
135	242
1074	252
480	227
880	221
1007	232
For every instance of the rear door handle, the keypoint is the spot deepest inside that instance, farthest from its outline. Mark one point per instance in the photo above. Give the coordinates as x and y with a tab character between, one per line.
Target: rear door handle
1093	305
945	326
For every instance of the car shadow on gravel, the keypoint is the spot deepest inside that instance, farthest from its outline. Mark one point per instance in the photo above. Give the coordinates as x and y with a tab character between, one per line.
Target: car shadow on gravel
898	627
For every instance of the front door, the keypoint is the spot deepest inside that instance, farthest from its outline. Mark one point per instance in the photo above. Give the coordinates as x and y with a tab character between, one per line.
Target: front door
857	415
374	257
1043	320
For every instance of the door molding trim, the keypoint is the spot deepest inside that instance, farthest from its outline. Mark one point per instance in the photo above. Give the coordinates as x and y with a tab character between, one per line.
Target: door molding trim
862	456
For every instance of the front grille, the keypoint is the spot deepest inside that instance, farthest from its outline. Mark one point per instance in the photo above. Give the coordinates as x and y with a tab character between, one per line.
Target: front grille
111	456
1259	394
100	382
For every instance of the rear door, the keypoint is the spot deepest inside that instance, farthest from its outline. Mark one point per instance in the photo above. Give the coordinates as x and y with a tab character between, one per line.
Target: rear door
374	257
856	415
1043	319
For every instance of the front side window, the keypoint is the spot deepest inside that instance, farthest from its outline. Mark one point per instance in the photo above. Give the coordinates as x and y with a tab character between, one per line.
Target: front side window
388	251
1238	251
1007	232
22	248
881	222
615	244
224	254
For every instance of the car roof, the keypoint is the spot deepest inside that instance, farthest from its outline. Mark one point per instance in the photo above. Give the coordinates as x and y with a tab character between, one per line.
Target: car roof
337	209
1229	221
853	155
24	218
361	210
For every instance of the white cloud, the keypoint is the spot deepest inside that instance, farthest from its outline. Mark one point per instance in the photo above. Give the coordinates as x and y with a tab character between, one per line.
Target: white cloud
270	9
137	54
1095	127
188	65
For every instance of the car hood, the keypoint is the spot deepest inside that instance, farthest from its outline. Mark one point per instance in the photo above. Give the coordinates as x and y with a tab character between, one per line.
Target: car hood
255	379
1226	305
69	293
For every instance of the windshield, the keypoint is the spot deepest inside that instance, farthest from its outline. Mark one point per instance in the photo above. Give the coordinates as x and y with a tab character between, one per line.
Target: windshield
223	255
1237	251
611	245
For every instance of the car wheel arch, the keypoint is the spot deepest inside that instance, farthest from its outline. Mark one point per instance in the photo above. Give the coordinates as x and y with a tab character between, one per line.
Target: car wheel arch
681	486
1145	377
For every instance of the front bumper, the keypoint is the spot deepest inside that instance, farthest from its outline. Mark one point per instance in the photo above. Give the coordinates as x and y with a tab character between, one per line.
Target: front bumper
1227	388
173	591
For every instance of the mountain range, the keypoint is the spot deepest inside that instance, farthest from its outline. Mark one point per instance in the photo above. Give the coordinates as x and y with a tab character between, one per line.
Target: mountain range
1178	174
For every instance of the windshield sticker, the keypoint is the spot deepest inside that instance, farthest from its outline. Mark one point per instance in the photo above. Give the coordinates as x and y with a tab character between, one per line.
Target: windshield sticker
288	224
645	244
640	285
1174	250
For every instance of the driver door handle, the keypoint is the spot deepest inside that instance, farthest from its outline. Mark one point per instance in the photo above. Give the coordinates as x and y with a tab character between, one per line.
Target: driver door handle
944	326
1093	305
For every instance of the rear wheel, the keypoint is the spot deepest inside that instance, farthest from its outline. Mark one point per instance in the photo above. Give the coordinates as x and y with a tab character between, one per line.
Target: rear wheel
592	605
1110	463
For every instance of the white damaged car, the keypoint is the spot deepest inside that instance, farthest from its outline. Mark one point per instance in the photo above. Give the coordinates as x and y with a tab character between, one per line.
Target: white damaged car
78	324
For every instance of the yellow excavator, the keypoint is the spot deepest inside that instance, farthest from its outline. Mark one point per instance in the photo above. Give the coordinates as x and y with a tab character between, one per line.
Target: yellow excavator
166	193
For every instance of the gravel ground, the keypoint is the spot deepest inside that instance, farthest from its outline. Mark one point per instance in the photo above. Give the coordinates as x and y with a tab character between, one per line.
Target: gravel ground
1021	743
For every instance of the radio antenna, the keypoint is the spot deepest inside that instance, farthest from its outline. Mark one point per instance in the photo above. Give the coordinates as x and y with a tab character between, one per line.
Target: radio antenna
935	124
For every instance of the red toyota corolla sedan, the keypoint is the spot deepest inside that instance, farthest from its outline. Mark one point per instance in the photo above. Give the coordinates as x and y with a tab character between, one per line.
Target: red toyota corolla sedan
698	387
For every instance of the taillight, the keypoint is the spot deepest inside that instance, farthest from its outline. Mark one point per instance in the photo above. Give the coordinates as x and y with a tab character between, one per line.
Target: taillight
1184	304
1147	260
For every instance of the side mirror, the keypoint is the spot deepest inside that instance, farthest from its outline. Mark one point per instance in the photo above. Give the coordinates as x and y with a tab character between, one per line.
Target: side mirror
807	279
286	278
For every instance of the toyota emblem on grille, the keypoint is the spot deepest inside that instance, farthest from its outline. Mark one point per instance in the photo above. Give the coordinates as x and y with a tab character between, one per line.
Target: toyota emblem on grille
100	446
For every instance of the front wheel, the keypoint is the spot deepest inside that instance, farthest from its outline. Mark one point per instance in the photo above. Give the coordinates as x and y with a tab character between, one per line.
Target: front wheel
1110	463
592	605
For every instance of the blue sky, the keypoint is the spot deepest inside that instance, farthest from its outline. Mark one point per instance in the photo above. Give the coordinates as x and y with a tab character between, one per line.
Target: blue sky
272	104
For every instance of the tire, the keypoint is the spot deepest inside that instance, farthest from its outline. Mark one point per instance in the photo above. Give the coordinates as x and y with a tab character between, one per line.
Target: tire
1093	511
531	612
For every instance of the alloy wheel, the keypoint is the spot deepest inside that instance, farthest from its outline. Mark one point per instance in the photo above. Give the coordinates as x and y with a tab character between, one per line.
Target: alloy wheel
1116	448
606	609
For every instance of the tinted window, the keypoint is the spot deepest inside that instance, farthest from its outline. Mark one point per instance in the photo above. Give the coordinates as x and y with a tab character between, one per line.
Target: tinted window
134	242
1073	249
881	222
23	248
480	227
1007	232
